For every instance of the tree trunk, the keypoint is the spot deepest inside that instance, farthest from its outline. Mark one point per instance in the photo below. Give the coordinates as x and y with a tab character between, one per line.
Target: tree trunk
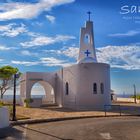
2	93
1	96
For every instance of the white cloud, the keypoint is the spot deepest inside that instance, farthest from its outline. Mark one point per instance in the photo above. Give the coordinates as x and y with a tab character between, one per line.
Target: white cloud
135	44
44	40
19	10
28	53
33	34
125	57
25	52
50	18
1	60
26	63
12	30
3	48
51	61
127	34
45	61
37	23
71	52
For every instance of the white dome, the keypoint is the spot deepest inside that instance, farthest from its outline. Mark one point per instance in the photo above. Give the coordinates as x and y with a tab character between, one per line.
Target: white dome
87	60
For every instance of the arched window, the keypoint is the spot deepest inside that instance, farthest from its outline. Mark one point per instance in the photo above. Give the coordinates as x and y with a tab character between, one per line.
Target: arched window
87	39
67	88
102	88
94	88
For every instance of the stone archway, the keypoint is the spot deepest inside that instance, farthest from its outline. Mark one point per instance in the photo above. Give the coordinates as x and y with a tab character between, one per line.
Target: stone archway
47	91
37	90
46	80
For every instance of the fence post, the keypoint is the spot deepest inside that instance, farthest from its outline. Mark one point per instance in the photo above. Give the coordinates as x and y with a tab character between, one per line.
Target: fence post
120	110
105	109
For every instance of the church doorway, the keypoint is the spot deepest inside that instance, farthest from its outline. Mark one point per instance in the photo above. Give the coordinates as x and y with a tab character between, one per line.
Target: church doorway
43	90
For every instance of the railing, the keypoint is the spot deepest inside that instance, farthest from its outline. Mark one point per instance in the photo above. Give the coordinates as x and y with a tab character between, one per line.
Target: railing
112	108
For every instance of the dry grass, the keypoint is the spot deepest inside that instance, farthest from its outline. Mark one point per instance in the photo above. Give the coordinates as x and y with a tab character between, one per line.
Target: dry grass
54	112
57	112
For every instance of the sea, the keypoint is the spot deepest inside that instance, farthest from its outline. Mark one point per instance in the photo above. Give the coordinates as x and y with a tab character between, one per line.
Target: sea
10	97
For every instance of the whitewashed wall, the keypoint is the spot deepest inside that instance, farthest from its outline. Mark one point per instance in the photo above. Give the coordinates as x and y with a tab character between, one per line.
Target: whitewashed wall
4	117
81	78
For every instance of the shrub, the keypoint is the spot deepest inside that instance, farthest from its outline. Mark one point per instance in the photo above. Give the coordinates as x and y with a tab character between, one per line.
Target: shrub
10	107
1	103
137	96
27	102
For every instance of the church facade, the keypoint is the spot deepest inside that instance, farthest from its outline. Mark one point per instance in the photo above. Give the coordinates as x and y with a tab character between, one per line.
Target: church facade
83	86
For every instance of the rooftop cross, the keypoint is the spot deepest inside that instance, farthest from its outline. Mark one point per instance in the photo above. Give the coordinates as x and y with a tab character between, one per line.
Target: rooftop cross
87	53
89	13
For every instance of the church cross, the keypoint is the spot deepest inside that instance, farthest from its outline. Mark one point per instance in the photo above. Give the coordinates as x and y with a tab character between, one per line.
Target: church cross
87	53
89	13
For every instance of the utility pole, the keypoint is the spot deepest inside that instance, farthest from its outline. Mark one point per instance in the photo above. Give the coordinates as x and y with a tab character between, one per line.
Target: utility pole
14	100
135	96
14	97
124	94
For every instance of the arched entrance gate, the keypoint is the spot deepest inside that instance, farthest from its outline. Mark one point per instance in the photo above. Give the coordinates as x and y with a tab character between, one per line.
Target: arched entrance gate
46	80
42	89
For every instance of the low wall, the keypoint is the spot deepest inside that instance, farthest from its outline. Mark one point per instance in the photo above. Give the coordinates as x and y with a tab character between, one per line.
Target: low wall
4	117
127	100
37	102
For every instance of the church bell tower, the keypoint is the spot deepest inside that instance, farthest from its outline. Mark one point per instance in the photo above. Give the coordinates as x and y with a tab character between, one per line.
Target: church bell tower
87	52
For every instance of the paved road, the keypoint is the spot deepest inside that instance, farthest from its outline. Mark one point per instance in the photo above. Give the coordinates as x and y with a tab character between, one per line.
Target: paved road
127	128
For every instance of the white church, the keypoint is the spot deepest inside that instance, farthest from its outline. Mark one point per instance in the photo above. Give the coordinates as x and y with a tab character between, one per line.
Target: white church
82	86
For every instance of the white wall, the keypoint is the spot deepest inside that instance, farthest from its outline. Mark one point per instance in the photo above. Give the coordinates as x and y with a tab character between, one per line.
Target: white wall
4	117
81	78
88	29
47	80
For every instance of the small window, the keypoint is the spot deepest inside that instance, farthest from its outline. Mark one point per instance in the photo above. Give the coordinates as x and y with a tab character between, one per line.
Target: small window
95	88
102	88
67	88
87	39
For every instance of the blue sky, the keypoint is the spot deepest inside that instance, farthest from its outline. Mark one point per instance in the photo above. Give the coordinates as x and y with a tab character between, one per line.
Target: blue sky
43	35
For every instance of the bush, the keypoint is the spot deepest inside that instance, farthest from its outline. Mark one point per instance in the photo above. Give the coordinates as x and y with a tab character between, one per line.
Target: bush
1	103
10	107
137	96
27	102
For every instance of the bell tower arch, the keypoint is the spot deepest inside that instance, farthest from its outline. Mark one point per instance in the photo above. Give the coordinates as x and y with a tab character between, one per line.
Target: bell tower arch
87	52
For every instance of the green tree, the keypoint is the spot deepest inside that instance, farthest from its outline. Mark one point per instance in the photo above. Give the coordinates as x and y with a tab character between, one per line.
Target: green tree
6	78
137	96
